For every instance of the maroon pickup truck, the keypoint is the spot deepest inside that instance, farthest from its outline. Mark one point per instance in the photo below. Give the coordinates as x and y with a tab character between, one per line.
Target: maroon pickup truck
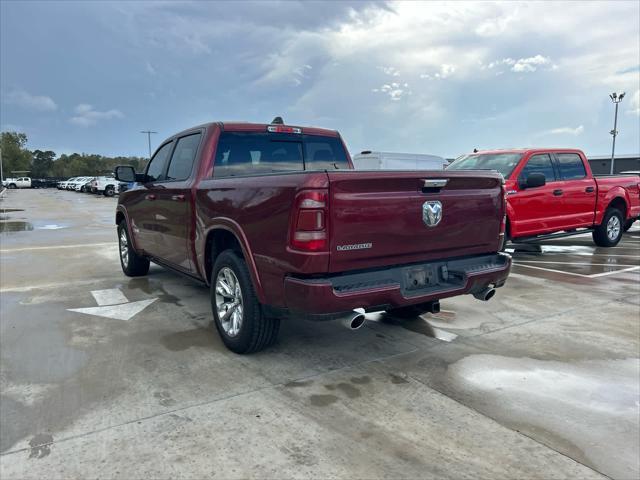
277	222
552	193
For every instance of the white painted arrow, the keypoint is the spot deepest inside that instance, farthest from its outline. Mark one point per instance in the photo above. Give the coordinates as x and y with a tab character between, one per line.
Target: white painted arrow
113	304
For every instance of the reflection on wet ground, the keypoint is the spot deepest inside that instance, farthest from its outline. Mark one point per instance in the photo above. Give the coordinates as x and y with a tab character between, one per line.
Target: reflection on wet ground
577	256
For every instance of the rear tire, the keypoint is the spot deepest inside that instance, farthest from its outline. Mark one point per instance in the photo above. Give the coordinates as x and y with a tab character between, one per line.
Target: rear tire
609	232
628	225
133	265
12	185
246	329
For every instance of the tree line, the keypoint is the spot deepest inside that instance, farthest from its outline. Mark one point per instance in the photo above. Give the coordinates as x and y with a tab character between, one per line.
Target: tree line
16	157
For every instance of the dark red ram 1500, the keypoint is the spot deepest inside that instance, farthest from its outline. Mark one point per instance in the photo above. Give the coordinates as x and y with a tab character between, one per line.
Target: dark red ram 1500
552	193
277	222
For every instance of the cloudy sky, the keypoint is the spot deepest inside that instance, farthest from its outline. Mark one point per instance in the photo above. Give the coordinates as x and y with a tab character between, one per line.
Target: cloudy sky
438	78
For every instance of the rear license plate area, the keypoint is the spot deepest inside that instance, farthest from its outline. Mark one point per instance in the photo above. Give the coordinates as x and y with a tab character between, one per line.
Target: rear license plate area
417	278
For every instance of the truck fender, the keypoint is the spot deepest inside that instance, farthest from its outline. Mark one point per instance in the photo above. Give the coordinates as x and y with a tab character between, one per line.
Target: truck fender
121	213
231	226
609	197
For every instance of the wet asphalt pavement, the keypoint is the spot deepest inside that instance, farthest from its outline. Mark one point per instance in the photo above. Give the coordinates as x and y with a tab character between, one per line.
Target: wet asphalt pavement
541	382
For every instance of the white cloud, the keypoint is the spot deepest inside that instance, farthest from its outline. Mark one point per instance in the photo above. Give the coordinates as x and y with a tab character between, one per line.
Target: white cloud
565	131
529	64
87	116
33	102
445	71
634	103
299	74
390	71
395	90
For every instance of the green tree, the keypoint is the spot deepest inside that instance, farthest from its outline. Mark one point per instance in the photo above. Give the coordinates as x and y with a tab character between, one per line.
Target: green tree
42	163
15	157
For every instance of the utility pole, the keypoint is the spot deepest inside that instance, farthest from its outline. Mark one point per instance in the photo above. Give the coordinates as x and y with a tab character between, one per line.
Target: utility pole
148	132
615	98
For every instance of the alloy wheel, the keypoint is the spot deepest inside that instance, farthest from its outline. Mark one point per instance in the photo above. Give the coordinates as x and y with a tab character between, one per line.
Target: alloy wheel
229	305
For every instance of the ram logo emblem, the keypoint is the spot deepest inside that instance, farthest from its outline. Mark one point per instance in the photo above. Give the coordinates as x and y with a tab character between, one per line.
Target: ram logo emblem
431	213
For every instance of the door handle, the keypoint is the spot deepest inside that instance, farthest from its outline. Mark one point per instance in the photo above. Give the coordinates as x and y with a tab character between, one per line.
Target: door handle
177	198
557	193
150	196
589	189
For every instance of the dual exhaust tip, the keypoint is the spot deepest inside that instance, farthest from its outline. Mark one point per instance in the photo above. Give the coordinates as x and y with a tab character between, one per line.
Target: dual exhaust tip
485	294
356	318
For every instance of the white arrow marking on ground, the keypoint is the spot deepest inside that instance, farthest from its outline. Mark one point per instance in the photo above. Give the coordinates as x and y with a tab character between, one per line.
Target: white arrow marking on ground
113	304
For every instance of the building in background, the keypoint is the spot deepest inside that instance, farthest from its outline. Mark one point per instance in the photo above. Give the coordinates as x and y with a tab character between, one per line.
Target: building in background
601	165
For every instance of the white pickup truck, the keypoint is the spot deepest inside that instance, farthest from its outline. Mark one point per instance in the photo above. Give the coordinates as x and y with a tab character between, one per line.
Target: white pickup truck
21	182
108	186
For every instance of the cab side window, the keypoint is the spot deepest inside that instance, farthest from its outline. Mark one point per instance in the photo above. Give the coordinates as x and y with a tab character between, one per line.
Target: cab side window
571	166
539	164
156	167
183	157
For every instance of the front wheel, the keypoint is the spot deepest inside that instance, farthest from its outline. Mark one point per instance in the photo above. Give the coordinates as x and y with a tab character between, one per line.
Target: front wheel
133	265
109	191
609	232
237	313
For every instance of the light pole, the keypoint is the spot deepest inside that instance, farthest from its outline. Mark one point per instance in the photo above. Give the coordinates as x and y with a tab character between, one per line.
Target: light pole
148	132
615	98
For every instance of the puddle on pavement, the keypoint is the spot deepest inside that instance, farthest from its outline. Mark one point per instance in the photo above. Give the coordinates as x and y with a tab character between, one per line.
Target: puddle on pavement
588	406
11	226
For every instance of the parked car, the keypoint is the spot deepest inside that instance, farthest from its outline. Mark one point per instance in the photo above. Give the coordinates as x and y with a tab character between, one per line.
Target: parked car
277	222
368	160
80	184
20	182
552	193
124	186
106	185
65	183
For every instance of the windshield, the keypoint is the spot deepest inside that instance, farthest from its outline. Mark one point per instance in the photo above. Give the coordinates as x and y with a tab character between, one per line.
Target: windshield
504	163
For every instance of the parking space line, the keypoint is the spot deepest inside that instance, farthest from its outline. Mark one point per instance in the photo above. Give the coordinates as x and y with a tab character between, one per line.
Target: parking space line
604	274
593	275
577	263
550	270
53	247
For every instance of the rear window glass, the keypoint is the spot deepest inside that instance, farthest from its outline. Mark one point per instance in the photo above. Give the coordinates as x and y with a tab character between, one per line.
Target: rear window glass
571	166
502	162
249	153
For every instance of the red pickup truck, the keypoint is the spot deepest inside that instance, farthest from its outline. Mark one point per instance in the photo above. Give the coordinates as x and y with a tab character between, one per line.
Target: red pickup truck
552	193
277	222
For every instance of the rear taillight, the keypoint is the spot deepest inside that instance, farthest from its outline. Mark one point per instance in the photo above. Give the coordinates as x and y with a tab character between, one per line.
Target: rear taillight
309	231
503	224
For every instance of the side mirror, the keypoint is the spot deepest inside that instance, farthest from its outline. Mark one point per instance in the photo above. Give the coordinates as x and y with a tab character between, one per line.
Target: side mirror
125	173
534	180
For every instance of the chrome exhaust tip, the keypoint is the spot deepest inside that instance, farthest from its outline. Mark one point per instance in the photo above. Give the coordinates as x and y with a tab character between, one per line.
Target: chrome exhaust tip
485	294
355	319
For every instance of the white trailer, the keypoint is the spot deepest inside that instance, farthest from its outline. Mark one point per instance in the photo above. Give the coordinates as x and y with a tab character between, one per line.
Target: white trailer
368	160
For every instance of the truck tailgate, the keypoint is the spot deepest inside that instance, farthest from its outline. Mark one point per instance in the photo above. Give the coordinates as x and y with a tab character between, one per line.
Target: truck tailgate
376	218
